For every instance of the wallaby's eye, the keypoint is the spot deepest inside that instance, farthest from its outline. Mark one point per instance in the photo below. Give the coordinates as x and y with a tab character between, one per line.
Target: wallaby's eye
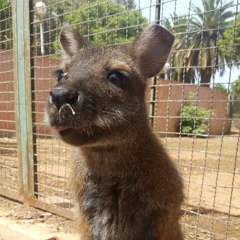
117	78
59	74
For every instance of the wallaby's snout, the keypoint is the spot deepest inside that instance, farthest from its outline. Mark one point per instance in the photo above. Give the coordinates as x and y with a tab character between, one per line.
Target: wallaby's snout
62	95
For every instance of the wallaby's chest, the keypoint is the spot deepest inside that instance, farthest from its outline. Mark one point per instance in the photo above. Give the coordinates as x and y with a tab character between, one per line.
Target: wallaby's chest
117	209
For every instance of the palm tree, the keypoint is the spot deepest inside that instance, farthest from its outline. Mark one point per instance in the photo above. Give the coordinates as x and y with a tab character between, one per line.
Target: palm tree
198	49
178	26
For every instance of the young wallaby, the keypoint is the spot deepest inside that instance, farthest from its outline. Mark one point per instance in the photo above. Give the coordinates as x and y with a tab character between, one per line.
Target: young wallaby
124	183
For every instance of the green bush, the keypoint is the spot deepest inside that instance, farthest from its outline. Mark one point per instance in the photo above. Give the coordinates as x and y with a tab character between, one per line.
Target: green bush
193	119
220	87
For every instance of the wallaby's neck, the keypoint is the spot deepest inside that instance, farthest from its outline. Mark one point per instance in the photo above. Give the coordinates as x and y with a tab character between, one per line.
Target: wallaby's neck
120	155
138	131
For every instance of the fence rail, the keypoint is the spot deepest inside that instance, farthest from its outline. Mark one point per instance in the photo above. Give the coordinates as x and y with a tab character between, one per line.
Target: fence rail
193	103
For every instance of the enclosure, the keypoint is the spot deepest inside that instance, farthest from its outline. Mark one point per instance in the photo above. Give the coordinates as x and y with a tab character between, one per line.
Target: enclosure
193	103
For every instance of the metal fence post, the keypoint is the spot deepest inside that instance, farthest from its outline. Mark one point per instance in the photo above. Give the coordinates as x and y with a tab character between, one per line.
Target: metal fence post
23	97
158	11
154	79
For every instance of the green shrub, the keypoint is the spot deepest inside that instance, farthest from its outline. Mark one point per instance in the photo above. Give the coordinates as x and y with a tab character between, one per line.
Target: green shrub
193	119
220	87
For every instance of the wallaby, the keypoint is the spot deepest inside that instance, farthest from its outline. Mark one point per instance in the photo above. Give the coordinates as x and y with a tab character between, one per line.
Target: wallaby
124	183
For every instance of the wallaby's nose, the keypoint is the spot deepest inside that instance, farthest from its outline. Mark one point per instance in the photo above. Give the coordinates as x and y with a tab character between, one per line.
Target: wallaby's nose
61	95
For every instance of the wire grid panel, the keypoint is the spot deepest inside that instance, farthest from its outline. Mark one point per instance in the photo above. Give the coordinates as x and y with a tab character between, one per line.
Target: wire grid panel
51	154
209	165
102	23
192	111
8	143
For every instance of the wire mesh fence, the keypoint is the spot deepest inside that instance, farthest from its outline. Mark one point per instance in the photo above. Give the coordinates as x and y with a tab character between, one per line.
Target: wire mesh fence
193	103
8	149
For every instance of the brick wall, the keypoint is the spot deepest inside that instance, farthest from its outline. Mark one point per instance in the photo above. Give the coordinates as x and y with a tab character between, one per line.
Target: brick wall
207	98
44	81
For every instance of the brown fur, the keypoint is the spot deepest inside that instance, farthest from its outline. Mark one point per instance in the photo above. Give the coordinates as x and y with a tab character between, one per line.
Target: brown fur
125	185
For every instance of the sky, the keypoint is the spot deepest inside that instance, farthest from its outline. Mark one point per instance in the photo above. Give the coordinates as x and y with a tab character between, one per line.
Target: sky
181	7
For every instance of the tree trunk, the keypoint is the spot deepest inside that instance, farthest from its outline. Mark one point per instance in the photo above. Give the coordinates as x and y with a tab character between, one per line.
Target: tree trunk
206	76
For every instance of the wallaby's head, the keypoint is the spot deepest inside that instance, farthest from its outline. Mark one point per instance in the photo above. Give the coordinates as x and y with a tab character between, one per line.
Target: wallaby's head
100	95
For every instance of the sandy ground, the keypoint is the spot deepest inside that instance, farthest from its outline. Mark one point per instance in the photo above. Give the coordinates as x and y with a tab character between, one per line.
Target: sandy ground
23	222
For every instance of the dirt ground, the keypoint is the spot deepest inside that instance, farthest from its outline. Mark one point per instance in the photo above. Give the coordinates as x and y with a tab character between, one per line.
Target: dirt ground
23	222
210	168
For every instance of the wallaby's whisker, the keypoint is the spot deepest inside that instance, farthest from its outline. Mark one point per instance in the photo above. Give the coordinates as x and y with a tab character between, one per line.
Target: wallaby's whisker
66	105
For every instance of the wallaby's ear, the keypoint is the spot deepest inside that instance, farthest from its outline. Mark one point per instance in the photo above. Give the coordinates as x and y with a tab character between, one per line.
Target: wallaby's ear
151	49
71	41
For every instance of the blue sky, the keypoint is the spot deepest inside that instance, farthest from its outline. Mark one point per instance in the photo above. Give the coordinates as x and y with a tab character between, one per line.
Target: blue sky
181	7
